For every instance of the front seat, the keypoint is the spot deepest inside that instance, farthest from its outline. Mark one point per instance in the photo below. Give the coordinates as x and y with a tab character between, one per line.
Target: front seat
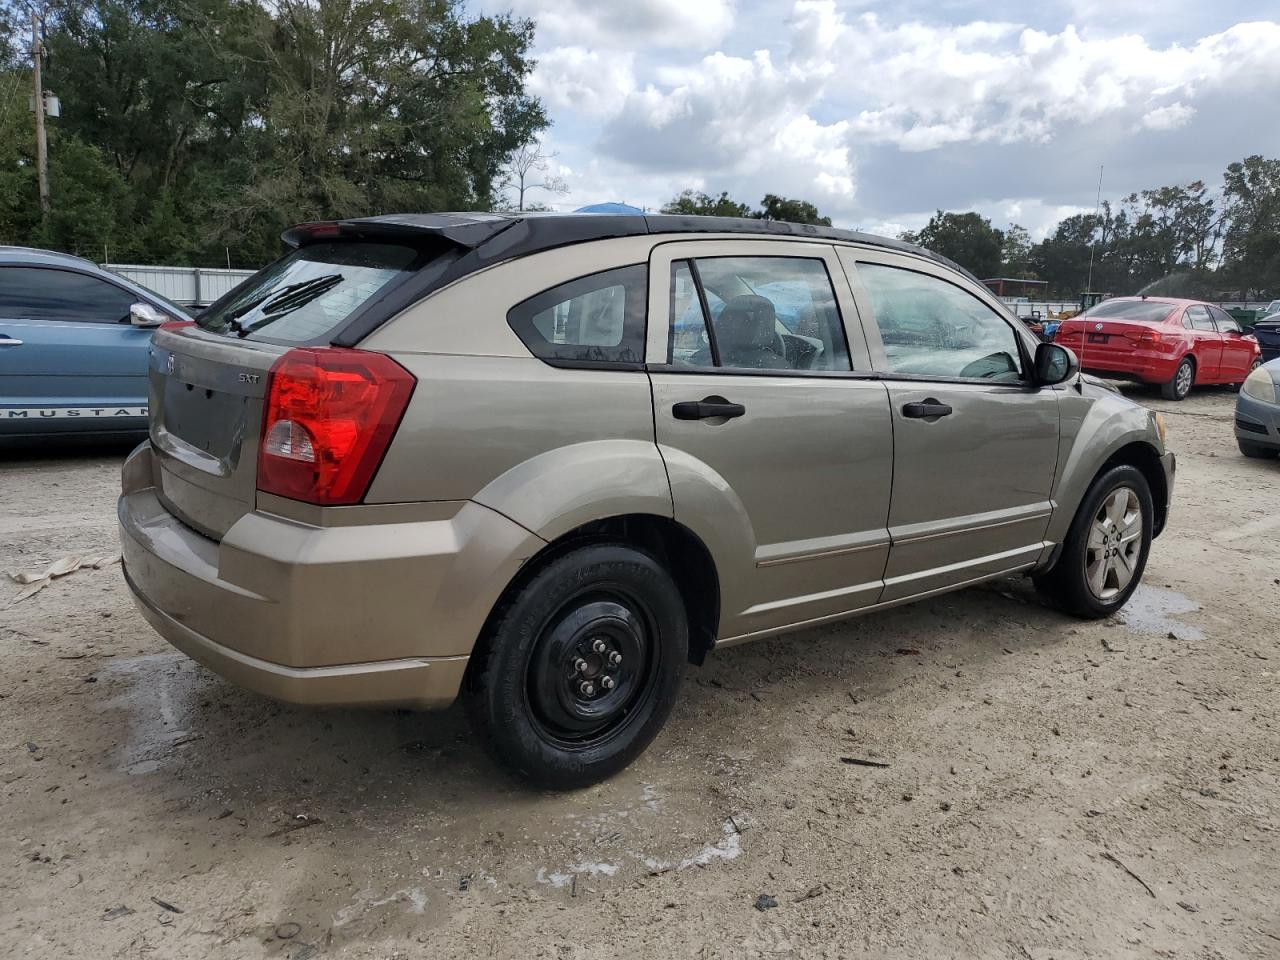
747	334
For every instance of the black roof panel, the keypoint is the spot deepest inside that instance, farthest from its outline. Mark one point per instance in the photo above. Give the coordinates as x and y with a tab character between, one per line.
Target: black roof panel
507	235
474	241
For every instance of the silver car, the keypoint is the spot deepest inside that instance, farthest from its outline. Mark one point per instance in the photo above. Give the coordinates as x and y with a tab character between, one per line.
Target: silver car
544	461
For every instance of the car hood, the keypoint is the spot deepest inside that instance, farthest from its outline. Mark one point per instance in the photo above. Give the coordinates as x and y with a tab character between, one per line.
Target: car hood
1090	379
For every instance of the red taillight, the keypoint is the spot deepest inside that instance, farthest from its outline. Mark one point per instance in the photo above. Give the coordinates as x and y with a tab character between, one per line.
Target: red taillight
329	415
177	324
1143	337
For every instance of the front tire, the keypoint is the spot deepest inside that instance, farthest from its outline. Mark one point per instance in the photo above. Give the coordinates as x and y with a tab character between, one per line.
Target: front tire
1183	379
581	666
1106	548
1257	451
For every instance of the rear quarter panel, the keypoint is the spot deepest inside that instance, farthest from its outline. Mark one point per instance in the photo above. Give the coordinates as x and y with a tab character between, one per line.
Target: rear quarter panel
550	448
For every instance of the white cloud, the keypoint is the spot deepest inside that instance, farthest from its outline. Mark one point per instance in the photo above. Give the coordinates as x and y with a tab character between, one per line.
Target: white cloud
880	118
1172	117
740	118
631	24
932	86
580	79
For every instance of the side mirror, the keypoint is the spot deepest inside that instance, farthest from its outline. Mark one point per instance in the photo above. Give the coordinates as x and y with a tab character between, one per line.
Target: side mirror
1055	364
145	315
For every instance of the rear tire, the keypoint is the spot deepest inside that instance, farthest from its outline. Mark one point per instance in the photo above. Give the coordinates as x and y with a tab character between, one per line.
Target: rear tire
1181	383
1106	547
1257	451
581	666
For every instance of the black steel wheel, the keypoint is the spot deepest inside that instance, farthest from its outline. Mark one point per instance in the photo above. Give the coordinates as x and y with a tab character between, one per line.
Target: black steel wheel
581	666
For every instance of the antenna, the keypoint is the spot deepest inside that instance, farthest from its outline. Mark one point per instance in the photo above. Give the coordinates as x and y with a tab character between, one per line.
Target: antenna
1088	285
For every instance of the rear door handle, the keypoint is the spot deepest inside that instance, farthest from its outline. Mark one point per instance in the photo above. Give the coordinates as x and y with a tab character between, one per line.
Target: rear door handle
929	409
9	341
707	409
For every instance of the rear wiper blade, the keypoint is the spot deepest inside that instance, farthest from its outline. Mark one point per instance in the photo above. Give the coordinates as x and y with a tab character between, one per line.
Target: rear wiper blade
235	315
277	303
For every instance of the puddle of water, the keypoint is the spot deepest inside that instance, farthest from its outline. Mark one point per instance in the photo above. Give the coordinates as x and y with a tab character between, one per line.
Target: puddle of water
1152	610
728	847
366	899
156	701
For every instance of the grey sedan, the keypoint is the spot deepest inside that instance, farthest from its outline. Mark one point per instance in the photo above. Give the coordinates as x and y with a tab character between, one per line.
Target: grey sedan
1258	413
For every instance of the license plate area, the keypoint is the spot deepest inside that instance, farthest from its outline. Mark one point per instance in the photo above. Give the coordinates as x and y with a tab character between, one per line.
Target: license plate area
208	420
1099	337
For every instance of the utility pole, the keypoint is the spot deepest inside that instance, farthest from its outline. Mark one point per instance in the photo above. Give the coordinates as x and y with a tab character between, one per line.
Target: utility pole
42	146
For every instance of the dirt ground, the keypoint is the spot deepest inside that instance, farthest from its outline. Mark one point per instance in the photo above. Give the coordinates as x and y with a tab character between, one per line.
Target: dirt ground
1053	788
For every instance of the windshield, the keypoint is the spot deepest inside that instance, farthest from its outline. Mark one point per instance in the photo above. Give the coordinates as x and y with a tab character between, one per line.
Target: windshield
308	293
1138	311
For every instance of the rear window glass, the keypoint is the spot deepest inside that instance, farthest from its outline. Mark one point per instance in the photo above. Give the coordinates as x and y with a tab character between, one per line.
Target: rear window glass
591	320
310	292
1139	311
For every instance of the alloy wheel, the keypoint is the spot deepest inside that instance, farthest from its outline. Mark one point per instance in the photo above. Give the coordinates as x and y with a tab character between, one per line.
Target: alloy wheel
1115	544
1183	382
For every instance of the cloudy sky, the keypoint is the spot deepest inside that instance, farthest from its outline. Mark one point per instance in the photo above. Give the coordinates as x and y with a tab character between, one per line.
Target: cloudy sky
881	112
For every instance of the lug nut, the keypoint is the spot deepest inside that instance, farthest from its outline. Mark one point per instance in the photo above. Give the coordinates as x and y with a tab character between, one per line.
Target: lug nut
615	658
588	688
599	646
580	665
606	682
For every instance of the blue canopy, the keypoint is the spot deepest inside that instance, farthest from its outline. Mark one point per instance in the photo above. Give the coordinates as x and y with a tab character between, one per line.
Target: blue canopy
614	208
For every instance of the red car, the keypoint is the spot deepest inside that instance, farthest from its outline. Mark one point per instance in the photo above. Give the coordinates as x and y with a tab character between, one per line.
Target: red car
1173	343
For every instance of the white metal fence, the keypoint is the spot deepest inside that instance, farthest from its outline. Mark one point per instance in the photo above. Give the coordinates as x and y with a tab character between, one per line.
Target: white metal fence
189	286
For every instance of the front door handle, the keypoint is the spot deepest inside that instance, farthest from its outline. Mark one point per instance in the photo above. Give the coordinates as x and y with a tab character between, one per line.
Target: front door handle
9	341
928	409
707	409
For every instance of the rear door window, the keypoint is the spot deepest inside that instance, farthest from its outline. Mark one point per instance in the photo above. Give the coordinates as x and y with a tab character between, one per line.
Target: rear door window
310	292
1200	319
593	320
755	313
38	293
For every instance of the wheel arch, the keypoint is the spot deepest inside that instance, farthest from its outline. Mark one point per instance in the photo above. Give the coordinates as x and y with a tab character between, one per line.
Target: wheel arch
1144	457
1100	431
673	544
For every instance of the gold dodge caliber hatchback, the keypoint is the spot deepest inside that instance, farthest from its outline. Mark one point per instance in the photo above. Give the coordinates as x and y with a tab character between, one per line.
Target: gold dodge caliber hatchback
544	461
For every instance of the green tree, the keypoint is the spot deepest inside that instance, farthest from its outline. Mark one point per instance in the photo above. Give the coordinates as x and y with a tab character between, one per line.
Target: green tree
773	207
698	204
1015	253
229	120
1251	246
967	238
18	211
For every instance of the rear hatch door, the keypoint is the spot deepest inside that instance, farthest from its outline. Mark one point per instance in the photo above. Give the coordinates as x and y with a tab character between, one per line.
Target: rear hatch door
209	380
206	399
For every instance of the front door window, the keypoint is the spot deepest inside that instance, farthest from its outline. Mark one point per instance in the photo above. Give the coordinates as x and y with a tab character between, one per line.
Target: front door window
933	328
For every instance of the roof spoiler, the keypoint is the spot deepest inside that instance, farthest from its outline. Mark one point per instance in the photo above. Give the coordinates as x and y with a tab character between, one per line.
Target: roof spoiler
465	231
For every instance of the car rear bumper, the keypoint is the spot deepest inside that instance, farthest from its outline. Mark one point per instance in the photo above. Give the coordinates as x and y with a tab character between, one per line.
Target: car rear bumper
375	614
1257	421
1131	367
